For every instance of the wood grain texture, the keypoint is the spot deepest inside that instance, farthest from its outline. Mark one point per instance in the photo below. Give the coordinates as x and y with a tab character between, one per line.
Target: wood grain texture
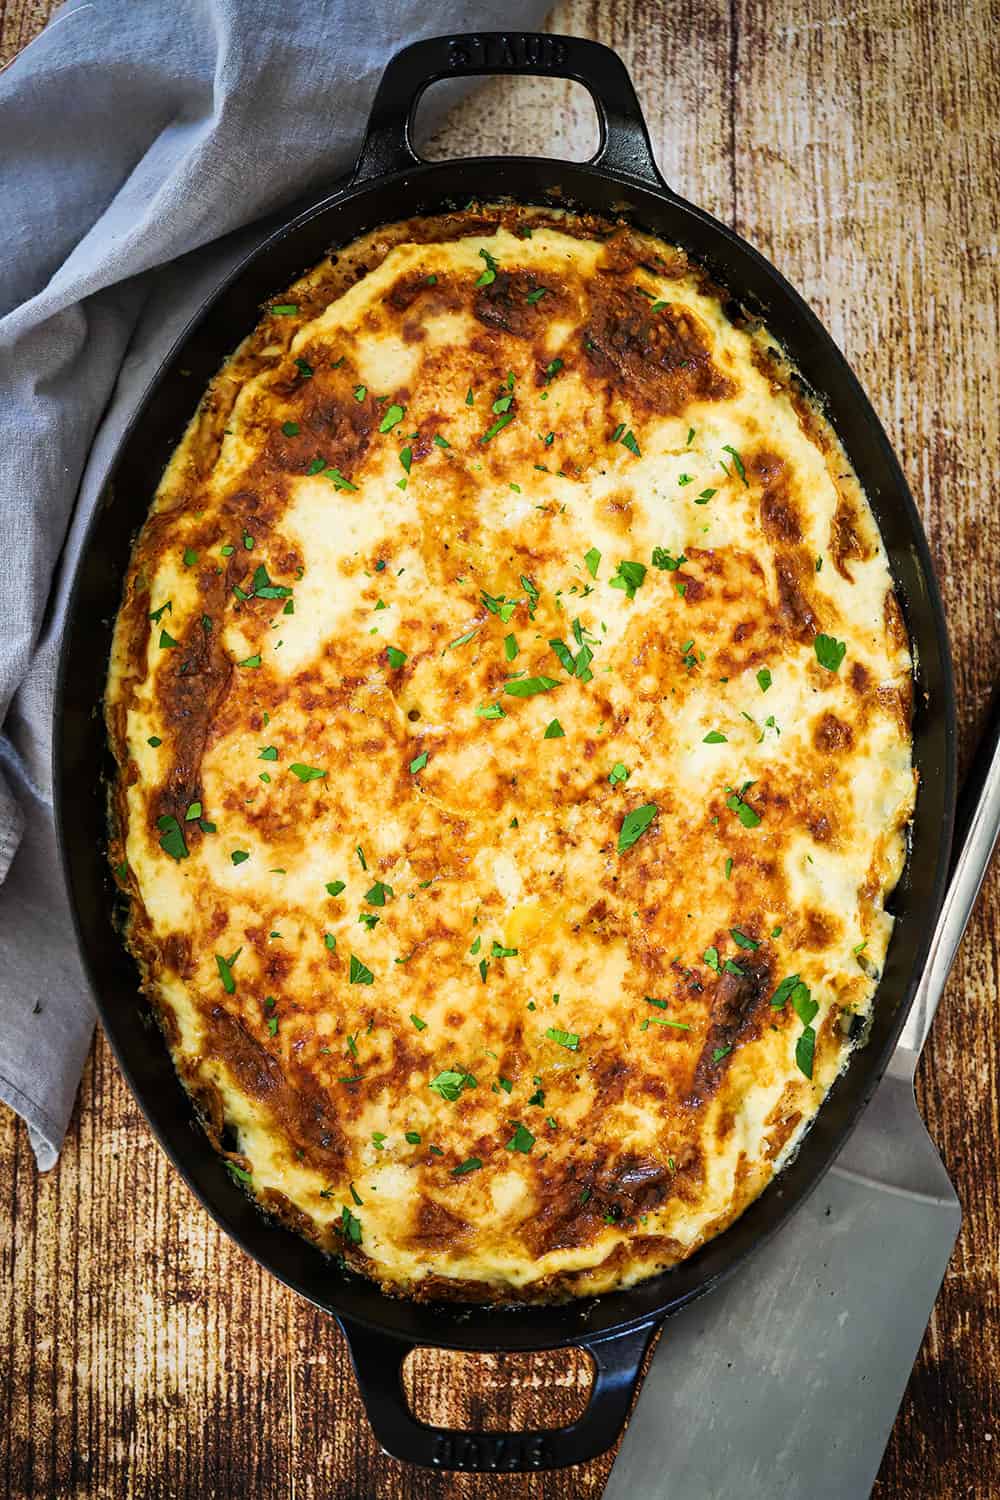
857	145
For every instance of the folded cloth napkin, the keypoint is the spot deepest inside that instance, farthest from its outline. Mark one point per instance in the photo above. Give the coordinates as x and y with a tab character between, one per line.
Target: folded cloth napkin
130	137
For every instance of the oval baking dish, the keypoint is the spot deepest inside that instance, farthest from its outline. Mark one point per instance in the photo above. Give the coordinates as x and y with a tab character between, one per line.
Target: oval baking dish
391	183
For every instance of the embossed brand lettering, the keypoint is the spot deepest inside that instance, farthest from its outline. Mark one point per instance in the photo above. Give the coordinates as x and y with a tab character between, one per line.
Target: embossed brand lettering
514	49
484	1453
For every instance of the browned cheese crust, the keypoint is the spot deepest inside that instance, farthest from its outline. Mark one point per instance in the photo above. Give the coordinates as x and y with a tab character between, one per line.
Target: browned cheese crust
513	720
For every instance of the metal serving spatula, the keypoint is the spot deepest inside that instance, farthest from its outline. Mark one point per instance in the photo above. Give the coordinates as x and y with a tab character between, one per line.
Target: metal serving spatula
786	1380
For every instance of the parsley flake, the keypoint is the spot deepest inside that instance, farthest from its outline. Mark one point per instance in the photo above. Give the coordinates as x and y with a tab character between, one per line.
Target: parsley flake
635	824
829	652
306	773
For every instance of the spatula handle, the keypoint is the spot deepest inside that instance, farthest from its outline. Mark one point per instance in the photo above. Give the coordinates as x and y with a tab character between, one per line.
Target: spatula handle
976	830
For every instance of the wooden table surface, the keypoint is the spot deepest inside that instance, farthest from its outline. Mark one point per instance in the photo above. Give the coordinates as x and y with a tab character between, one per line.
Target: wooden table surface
857	146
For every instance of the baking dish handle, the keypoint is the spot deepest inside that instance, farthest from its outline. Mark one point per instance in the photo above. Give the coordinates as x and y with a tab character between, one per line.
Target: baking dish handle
624	146
378	1364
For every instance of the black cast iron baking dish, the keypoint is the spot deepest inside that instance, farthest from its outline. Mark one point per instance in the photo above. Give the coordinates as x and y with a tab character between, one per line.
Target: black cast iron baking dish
391	182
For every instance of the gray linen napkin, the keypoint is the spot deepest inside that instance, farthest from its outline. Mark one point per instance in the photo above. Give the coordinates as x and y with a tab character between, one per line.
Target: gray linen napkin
131	134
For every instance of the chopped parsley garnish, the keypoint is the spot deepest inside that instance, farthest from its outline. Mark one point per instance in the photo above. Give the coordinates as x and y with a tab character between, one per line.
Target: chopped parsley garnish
764	679
720	1052
412	1137
784	990
225	967
805	1051
498	426
172	837
418	1023
395	657
634	825
285	309
746	814
167	641
732	968
553	367
349	1227
554	731
491	711
190	557
490	273
449	1084
662	559
567	1039
471	1163
334	887
593	561
505	1084
304	368
263	588
829	652
418	763
628	440
379	894
238	1172
359	972
330	941
711	957
463	640
441	442
239	856
393	416
406	458
360	392
713	737
510	647
742	941
527	687
469	397
338	480
306	773
250	661
290	429
155	741
618	773
522	1139
536	296
629	577
565	655
737	462
704	497
803	1004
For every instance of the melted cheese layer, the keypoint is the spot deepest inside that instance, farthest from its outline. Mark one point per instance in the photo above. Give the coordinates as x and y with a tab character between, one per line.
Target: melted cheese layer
509	695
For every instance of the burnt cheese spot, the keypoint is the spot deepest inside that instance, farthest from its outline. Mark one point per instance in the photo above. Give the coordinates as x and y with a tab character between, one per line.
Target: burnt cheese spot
778	512
831	735
662	358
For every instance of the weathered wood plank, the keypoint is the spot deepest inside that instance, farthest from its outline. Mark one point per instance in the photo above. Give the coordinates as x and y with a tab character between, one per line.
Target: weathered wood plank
141	1353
